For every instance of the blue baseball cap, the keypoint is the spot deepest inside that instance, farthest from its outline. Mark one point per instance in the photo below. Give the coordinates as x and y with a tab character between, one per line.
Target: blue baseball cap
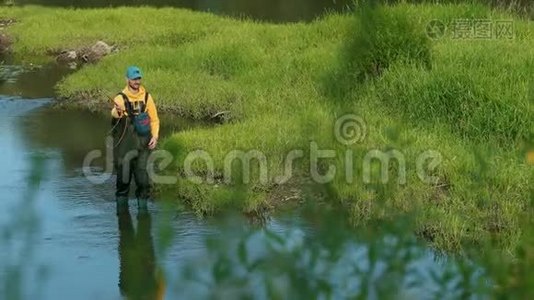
133	72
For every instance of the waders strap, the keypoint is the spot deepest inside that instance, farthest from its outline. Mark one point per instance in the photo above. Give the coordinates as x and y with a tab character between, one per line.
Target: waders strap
128	104
146	100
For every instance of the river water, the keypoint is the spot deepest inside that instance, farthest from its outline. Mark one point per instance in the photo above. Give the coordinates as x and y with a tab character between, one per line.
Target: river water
60	237
264	10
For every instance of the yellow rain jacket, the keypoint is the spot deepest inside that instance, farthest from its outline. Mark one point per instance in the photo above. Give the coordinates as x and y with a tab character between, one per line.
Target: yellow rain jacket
136	100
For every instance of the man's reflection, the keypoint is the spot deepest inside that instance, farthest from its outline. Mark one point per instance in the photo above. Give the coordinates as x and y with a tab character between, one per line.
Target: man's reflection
139	277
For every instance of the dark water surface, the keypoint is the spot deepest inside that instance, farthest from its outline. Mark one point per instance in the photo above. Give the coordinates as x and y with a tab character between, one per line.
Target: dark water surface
29	81
265	10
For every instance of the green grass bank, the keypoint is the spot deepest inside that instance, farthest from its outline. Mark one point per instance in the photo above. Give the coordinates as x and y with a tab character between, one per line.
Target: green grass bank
285	86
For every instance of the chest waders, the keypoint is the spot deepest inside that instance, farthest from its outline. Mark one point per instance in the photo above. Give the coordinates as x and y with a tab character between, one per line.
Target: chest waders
130	155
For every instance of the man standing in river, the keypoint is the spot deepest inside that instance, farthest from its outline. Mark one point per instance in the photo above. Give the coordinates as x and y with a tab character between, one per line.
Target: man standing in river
135	133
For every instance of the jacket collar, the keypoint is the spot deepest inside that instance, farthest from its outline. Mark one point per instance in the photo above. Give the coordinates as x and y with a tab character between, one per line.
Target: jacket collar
131	95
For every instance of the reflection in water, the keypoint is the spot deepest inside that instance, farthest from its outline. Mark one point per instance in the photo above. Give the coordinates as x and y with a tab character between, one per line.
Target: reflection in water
30	82
139	276
23	174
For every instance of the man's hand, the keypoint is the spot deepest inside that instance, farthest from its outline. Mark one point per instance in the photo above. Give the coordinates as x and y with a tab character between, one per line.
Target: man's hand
118	109
153	143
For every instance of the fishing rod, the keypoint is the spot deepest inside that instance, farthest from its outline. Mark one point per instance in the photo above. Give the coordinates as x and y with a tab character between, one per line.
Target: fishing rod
116	124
